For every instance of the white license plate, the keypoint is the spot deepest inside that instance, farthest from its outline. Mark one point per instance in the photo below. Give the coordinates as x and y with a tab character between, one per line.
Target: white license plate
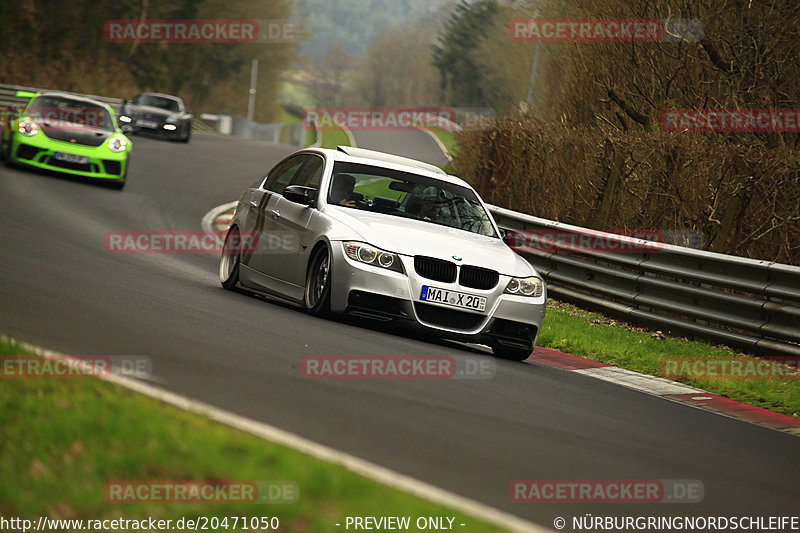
453	298
147	124
71	158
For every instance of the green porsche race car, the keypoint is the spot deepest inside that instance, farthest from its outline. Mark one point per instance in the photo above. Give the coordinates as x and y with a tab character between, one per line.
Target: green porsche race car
67	133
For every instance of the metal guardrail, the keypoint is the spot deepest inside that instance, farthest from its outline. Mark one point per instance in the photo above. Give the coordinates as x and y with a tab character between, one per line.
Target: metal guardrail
8	96
199	125
745	303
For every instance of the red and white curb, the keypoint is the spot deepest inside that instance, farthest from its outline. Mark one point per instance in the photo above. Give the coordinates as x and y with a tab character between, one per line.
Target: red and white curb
219	218
668	389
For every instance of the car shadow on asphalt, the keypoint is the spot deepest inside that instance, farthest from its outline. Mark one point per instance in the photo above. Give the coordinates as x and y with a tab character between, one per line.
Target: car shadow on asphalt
53	174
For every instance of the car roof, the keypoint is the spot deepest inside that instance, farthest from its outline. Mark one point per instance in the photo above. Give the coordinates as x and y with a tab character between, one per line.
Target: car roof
71	96
161	95
352	154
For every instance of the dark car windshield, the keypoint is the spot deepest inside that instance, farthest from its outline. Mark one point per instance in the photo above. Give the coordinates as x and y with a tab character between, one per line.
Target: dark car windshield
59	110
407	195
161	102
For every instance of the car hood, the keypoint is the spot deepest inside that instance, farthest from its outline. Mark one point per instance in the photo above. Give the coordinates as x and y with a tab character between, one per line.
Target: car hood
415	237
76	134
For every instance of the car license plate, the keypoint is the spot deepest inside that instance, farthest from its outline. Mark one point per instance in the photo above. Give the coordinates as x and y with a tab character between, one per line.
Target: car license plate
453	298
147	124
71	158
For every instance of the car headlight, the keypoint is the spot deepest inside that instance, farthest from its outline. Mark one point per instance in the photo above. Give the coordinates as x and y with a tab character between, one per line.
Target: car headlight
117	144
530	286
124	118
28	128
170	127
364	253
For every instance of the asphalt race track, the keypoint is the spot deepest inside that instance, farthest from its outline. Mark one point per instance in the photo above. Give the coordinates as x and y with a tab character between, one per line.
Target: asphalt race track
408	143
61	289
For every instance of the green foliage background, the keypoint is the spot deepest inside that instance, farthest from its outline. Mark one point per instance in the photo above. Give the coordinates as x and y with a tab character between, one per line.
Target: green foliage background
60	44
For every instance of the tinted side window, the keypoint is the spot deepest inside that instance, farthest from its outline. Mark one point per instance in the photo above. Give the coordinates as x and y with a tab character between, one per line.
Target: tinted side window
282	175
311	173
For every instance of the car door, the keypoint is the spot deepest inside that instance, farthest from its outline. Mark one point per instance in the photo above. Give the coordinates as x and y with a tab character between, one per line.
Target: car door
294	223
263	264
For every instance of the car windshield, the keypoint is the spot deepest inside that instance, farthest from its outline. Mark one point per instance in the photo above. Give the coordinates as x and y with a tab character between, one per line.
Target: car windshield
58	110
151	100
408	195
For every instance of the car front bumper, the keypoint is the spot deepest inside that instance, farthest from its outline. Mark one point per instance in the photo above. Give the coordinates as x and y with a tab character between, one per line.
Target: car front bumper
157	128
384	295
39	151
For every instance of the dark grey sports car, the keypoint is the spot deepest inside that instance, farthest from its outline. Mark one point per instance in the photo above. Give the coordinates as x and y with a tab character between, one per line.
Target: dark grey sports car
157	114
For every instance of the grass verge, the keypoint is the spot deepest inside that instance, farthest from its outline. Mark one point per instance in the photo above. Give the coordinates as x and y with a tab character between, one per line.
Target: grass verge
288	120
331	138
61	441
578	332
447	139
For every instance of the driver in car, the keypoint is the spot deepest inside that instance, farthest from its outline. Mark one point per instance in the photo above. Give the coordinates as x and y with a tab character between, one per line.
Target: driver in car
432	210
342	190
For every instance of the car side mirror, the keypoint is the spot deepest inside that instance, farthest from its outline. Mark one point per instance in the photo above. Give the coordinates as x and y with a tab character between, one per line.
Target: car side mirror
512	237
300	194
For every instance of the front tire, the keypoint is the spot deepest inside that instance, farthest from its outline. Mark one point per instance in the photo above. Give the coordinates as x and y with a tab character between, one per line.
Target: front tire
231	259
317	298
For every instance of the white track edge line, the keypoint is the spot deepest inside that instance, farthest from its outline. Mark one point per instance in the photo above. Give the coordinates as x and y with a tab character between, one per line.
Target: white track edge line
639	381
439	143
350	138
644	387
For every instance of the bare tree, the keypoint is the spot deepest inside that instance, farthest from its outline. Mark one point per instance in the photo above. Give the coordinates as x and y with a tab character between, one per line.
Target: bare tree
397	68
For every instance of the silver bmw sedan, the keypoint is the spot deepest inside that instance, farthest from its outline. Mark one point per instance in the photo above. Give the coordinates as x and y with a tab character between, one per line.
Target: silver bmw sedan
385	238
